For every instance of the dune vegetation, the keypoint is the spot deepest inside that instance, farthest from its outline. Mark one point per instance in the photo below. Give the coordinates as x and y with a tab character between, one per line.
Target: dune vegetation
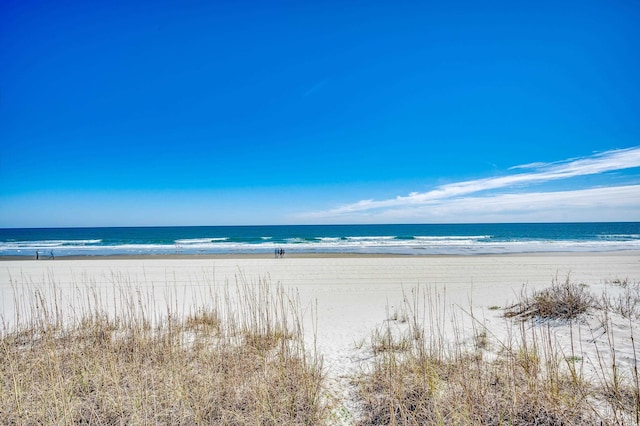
238	356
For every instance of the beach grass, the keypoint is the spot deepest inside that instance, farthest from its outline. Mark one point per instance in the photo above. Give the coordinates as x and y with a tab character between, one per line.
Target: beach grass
418	377
238	359
239	355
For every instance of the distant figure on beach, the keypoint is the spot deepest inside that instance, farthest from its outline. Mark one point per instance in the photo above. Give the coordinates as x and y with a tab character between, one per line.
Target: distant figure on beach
51	255
277	252
37	254
281	252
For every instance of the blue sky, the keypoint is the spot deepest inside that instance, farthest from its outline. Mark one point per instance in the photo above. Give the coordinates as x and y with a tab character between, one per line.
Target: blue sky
223	113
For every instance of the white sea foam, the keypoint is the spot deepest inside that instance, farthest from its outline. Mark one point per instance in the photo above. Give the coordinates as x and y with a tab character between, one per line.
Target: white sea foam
379	238
200	240
295	240
453	237
478	244
620	236
46	243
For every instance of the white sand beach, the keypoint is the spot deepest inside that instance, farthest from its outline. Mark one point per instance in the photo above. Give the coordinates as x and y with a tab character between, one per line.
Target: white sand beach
350	295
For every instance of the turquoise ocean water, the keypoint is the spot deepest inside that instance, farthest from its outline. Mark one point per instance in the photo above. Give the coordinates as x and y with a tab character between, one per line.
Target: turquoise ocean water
396	239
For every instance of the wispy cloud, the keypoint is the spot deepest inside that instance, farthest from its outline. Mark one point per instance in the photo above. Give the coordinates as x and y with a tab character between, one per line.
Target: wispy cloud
473	194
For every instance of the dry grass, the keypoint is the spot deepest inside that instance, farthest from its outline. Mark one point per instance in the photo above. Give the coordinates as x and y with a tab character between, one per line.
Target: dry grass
238	357
528	380
627	303
562	301
242	365
419	390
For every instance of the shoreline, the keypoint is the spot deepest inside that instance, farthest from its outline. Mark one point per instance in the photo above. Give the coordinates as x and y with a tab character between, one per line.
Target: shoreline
309	255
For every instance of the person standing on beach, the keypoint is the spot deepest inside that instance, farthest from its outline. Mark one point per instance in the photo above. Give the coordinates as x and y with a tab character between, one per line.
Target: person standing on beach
37	254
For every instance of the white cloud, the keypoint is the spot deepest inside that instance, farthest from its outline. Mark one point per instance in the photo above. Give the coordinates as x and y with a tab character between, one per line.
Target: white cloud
456	200
528	166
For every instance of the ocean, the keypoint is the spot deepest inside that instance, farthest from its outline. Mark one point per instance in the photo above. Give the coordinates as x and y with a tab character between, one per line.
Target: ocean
458	239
